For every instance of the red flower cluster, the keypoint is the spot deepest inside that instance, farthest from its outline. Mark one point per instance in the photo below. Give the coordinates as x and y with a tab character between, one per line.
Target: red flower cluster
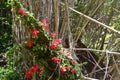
53	34
60	52
29	43
34	68
28	74
40	71
54	43
68	68
35	32
68	55
73	71
21	11
63	69
72	61
55	59
43	23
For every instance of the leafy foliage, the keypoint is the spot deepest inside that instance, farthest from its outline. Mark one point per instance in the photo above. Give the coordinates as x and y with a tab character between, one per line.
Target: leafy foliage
5	27
9	72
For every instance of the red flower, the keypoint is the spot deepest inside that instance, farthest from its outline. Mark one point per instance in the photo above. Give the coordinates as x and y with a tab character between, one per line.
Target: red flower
43	23
72	61
32	69
46	26
28	74
21	11
68	68
68	55
58	40
63	69
60	52
40	71
36	67
29	43
53	34
35	32
55	59
54	43
73	71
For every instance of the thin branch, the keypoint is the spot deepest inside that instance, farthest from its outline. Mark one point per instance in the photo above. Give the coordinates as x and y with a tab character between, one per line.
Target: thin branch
98	70
117	68
85	25
104	51
88	78
107	63
116	10
93	70
94	20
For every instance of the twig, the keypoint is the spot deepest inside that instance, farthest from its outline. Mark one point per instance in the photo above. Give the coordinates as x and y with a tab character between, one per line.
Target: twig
107	63
93	70
117	68
94	20
116	10
97	50
87	78
80	32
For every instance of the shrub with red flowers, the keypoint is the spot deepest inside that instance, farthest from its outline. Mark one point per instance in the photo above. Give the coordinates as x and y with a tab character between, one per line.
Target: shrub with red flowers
45	50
